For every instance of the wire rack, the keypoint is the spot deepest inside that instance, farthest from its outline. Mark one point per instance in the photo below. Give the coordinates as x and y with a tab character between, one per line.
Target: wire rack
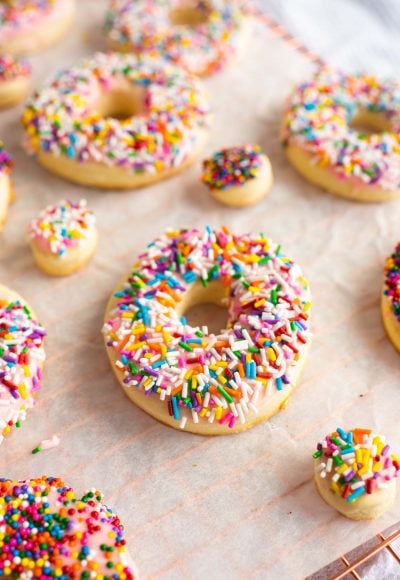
384	548
386	543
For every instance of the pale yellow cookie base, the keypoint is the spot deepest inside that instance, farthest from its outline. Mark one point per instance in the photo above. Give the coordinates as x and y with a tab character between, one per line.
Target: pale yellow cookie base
6	198
251	192
71	262
103	176
367	507
13	92
159	410
41	37
390	322
326	178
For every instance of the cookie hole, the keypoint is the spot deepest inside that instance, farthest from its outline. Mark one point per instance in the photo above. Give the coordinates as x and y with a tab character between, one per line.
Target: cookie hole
190	15
122	103
206	314
204	307
370	123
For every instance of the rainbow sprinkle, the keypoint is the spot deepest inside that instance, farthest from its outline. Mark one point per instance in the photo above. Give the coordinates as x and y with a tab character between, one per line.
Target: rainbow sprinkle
202	376
47	532
60	119
21	358
233	166
356	462
12	68
62	227
6	162
392	281
16	14
146	27
317	120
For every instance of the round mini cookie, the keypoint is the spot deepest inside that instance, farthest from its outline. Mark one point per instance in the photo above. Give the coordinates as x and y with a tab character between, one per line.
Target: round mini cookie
118	122
327	138
202	36
238	176
355	473
14	81
46	531
30	25
63	238
21	359
188	377
6	189
390	301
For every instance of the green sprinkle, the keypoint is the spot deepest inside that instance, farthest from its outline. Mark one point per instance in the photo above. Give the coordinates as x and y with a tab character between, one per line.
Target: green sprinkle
185	346
337	460
317	454
226	395
264	260
36	450
274	296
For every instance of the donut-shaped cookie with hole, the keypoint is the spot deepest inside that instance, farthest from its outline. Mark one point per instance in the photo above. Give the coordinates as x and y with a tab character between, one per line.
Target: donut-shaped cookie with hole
341	132
188	377
21	359
117	121
28	26
202	36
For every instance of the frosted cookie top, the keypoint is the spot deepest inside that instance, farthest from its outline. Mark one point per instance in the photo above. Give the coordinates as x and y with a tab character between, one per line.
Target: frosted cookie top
6	162
62	227
46	528
21	357
232	166
392	281
12	68
318	119
355	462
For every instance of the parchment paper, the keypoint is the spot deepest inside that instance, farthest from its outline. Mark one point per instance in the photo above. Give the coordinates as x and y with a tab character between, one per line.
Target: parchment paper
234	507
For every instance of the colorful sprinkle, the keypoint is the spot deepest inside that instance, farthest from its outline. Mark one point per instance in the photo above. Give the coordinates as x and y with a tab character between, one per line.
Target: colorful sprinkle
12	68
355	462
6	162
61	118
21	358
233	166
47	444
318	118
15	14
392	281
63	226
200	375
47	532
147	26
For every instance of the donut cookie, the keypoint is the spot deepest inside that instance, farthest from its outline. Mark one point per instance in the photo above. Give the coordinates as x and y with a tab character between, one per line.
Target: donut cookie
48	532
202	36
6	190
188	377
63	238
238	176
390	302
355	473
14	81
117	122
21	360
327	134
30	25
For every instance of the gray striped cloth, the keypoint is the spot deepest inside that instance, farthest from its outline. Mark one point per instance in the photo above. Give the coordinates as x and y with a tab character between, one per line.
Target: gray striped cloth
353	35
